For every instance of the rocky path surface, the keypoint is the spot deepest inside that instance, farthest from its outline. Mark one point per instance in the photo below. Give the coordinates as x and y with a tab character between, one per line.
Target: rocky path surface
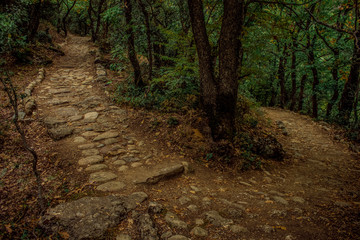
312	195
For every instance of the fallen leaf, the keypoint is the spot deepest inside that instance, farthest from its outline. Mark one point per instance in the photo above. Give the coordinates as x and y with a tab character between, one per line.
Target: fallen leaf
64	235
8	228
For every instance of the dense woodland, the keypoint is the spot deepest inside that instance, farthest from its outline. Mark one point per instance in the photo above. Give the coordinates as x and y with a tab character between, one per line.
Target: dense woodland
221	60
219	56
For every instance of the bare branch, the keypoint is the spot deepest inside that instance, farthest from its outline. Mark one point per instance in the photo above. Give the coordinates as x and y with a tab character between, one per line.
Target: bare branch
328	25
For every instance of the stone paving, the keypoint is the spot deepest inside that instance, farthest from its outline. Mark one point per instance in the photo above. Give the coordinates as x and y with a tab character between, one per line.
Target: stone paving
78	115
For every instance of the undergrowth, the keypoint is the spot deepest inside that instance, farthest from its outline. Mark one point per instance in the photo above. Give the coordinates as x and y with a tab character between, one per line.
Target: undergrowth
168	93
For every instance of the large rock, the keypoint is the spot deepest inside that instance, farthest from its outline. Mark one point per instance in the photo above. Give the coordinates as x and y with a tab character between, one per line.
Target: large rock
89	217
268	147
51	122
60	132
146	227
163	174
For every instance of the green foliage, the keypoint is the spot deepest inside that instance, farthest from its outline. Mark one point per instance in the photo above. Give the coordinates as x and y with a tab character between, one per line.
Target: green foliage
12	35
161	94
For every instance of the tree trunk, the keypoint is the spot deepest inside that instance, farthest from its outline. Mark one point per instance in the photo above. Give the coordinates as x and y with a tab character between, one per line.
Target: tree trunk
293	75
301	93
34	20
98	21
131	45
90	10
351	86
281	76
335	76
311	61
219	98
148	36
66	15
208	88
229	48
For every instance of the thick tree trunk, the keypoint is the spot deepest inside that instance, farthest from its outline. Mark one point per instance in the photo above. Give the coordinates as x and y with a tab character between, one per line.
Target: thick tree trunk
208	86
98	19
131	45
351	86
34	20
293	75
301	93
229	48
219	97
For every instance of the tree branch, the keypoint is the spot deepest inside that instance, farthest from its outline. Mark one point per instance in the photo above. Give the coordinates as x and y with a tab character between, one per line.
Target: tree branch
328	25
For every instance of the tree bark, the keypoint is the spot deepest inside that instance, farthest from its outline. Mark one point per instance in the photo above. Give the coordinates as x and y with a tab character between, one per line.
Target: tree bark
208	85
148	36
293	75
66	15
351	85
311	61
131	45
335	76
229	48
34	20
90	11
281	76
219	98
301	93
98	20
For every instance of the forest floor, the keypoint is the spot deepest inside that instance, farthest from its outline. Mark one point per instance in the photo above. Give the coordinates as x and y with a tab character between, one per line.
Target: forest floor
313	194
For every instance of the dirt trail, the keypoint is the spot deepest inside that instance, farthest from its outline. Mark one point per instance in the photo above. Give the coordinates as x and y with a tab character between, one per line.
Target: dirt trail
314	194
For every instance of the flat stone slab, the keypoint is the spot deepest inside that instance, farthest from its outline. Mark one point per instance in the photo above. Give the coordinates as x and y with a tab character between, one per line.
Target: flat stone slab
91	117
89	217
106	135
86	146
96	167
57	101
164	173
130	159
123	168
75	118
67	112
111	186
99	177
59	91
90	152
60	132
89	134
119	162
79	140
110	141
90	160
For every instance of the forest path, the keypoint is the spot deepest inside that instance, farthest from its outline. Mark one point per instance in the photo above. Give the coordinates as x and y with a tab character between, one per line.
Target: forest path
314	194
